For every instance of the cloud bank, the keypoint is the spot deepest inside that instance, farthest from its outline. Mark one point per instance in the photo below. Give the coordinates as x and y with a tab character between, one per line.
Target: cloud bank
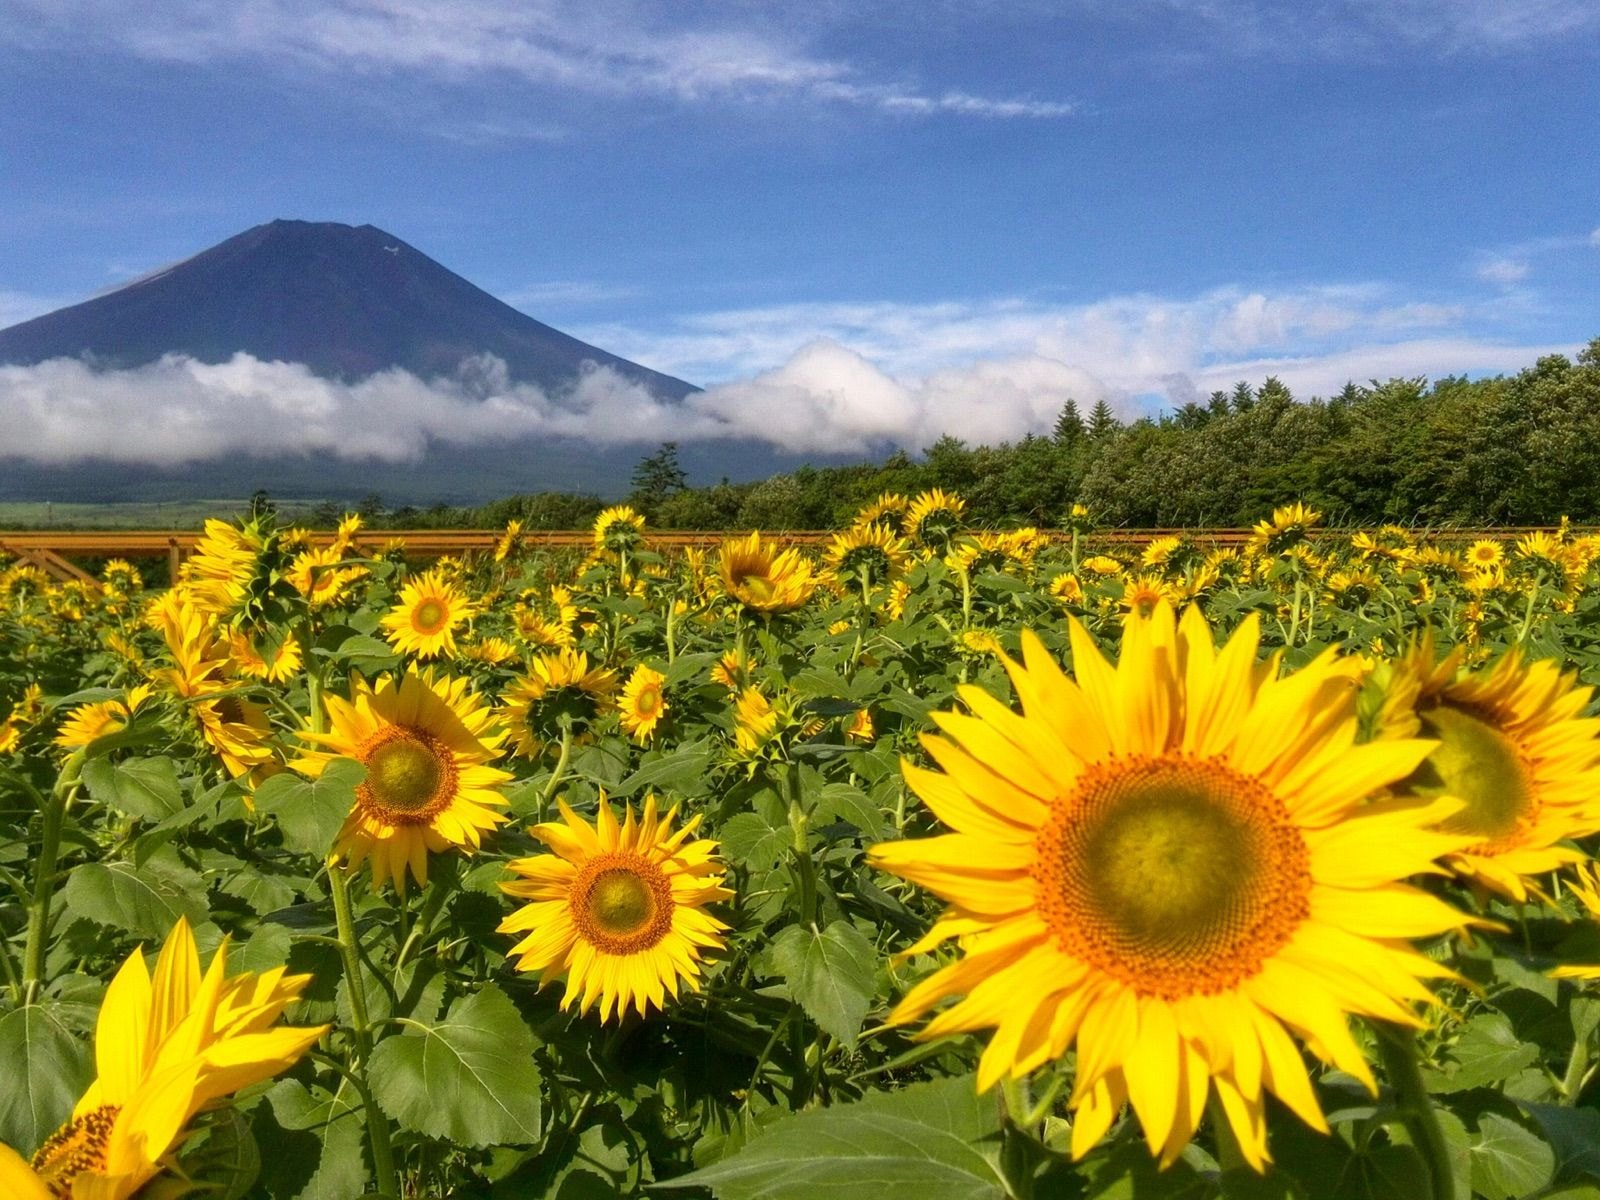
849	379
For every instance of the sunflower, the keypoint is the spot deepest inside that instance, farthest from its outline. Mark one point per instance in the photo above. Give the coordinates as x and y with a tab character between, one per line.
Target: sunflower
560	691
1586	887
317	575
424	620
86	722
1289	525
1067	588
228	566
933	518
643	704
888	509
509	541
618	529
426	742
1486	554
762	580
733	670
1172	863
236	728
166	1048
1513	747
265	654
755	722
1143	592
867	553
620	911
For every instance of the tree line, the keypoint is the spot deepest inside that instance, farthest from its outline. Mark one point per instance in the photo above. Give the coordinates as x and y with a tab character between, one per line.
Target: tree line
1520	449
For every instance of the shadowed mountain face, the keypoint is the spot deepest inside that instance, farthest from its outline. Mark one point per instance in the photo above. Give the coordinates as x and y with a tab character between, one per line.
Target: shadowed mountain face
347	301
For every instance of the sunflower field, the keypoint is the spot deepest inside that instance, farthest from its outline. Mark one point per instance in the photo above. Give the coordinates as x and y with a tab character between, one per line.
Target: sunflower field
933	861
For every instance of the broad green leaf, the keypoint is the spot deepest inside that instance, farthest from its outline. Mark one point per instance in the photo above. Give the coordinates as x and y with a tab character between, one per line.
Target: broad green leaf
1128	1172
1487	1051
470	1078
140	787
312	1143
46	1070
833	974
146	900
1507	1160
310	812
841	802
1574	1134
931	1141
752	841
683	766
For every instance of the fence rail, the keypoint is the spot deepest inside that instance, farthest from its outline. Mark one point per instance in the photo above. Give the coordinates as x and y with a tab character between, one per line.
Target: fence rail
52	550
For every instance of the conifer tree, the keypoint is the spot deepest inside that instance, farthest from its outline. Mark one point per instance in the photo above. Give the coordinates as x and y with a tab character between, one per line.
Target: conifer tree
1069	425
1102	423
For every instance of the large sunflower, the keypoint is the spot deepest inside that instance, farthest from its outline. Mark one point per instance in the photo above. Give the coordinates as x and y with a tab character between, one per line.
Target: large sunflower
426	743
619	910
763	580
227	566
560	691
165	1048
1514	748
423	621
1171	862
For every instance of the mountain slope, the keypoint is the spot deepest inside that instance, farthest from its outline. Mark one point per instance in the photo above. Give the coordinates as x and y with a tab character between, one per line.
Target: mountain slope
347	301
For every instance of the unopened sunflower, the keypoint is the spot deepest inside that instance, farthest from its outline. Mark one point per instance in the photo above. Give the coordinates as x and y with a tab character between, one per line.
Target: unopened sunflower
166	1047
620	911
423	621
1172	863
426	742
1513	746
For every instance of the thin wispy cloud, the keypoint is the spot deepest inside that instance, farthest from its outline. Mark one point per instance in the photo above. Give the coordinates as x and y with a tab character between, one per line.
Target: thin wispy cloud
621	48
1505	271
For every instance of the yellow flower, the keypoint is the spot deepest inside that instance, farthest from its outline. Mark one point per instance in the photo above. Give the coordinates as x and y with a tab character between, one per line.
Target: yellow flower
509	541
1486	554
755	722
732	670
559	690
1103	565
620	911
861	728
86	722
762	580
1289	525
426	742
424	620
617	529
165	1048
1172	863
317	575
1513	747
1067	588
888	509
269	655
225	566
979	642
1142	593
491	650
933	518
643	704
867	552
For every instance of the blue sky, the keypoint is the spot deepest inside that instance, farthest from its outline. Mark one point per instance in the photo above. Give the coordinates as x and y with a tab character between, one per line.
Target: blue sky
942	200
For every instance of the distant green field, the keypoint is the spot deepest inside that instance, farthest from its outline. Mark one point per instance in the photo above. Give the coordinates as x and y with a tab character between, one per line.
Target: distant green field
147	514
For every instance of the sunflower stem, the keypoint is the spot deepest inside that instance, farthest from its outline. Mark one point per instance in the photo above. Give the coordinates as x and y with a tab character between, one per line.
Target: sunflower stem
1229	1156
1397	1047
561	769
1577	1067
672	615
1527	614
313	676
55	813
355	983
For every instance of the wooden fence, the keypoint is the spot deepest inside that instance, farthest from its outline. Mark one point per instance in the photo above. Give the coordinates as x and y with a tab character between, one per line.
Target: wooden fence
54	550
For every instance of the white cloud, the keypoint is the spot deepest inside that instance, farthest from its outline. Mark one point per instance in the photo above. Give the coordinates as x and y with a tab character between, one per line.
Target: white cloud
1594	236
1504	271
617	47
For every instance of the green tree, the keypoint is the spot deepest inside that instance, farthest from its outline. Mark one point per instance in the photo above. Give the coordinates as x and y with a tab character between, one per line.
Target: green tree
656	477
1069	428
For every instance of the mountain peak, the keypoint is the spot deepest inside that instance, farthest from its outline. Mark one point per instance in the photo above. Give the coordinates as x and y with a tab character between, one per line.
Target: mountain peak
347	301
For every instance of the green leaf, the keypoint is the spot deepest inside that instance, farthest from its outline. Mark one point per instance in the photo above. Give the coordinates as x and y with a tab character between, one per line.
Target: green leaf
750	839
311	1143
140	787
685	765
1487	1052
833	975
46	1069
841	802
1507	1160
146	900
310	812
933	1141
470	1078
1573	1133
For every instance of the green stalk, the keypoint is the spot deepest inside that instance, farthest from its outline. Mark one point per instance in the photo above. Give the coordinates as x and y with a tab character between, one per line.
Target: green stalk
1527	615
350	954
55	814
555	776
1397	1047
1577	1067
672	617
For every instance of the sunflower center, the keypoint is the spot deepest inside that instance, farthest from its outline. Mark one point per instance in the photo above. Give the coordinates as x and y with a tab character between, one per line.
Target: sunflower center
77	1147
757	589
648	701
230	710
621	903
1177	876
1479	765
429	616
411	775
